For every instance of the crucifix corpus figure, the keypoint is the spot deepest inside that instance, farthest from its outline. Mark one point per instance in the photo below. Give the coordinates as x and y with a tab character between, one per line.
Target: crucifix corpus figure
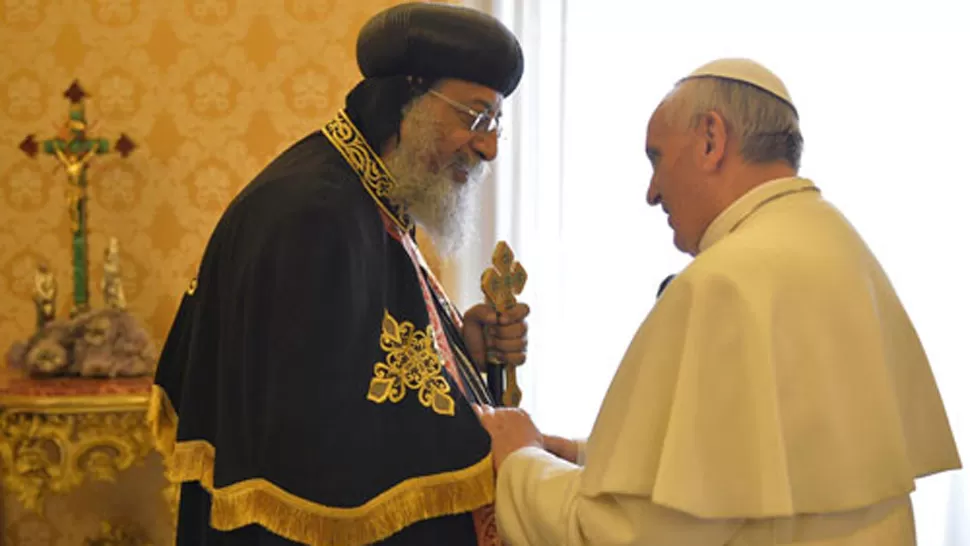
501	283
74	150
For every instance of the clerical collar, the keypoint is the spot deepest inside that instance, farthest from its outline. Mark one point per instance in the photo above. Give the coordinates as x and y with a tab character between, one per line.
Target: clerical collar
746	205
373	174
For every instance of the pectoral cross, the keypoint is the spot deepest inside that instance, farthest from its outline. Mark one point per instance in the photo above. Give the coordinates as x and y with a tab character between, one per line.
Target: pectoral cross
501	283
75	150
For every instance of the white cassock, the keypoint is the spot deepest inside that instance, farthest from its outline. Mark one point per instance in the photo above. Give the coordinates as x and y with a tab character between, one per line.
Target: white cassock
777	393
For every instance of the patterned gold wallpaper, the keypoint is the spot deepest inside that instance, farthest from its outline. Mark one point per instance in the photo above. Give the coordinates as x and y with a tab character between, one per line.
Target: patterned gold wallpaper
209	90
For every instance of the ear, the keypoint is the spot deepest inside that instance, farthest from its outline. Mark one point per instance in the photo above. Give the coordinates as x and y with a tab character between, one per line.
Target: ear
713	136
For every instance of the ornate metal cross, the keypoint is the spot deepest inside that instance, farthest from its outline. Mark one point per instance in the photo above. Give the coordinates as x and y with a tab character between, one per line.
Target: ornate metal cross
75	150
501	283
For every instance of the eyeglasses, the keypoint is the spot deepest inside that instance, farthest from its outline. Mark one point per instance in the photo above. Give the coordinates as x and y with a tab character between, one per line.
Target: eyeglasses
482	122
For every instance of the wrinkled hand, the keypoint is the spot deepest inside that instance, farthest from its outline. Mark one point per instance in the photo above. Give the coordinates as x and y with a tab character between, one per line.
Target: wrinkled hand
507	335
563	448
510	428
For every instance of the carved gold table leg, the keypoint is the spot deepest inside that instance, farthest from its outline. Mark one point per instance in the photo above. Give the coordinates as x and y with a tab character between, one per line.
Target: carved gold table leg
54	447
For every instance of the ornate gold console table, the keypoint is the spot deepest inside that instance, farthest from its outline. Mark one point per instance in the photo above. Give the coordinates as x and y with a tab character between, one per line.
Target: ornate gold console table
76	455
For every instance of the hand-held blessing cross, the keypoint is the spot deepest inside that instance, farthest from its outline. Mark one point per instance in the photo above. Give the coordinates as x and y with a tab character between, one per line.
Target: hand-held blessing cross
501	283
75	150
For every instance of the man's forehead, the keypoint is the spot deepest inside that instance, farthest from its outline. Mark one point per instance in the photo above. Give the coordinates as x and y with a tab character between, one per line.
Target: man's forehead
485	98
657	125
492	103
473	94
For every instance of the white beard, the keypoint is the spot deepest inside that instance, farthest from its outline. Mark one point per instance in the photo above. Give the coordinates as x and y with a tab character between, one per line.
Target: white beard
444	208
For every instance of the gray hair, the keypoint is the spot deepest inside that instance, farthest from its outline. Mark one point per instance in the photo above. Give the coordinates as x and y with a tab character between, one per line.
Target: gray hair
766	126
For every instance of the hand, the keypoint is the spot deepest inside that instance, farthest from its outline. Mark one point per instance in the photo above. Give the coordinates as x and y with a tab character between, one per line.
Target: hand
507	336
563	448
511	429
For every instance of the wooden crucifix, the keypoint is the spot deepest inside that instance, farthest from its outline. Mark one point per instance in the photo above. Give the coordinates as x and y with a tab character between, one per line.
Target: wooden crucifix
501	283
74	150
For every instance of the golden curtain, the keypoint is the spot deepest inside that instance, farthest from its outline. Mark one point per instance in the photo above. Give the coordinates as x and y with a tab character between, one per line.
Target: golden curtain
210	91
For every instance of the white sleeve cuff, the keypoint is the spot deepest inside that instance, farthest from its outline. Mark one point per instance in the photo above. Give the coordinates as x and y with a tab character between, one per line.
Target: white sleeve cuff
581	452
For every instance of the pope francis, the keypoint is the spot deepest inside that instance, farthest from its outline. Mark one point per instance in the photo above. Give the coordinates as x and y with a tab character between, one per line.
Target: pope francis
777	393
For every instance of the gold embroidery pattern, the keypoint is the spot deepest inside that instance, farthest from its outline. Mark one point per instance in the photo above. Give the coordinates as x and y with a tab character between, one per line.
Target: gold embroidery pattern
412	363
373	174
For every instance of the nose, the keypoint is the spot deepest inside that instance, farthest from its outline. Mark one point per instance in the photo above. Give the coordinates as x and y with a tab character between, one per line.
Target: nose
485	145
653	194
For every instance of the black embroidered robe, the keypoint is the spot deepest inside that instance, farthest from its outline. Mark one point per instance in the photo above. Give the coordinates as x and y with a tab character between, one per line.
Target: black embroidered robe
305	393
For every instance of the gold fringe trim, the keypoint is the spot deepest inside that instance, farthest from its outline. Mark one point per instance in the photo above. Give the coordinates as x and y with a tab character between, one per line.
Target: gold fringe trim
162	421
260	501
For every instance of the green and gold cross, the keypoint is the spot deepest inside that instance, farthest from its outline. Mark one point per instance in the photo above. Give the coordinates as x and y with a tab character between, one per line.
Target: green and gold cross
74	150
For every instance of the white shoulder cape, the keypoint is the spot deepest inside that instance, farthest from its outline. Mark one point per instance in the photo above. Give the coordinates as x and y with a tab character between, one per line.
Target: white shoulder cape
778	374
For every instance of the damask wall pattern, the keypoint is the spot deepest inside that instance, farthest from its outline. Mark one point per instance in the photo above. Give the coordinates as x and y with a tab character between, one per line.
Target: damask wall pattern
209	90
